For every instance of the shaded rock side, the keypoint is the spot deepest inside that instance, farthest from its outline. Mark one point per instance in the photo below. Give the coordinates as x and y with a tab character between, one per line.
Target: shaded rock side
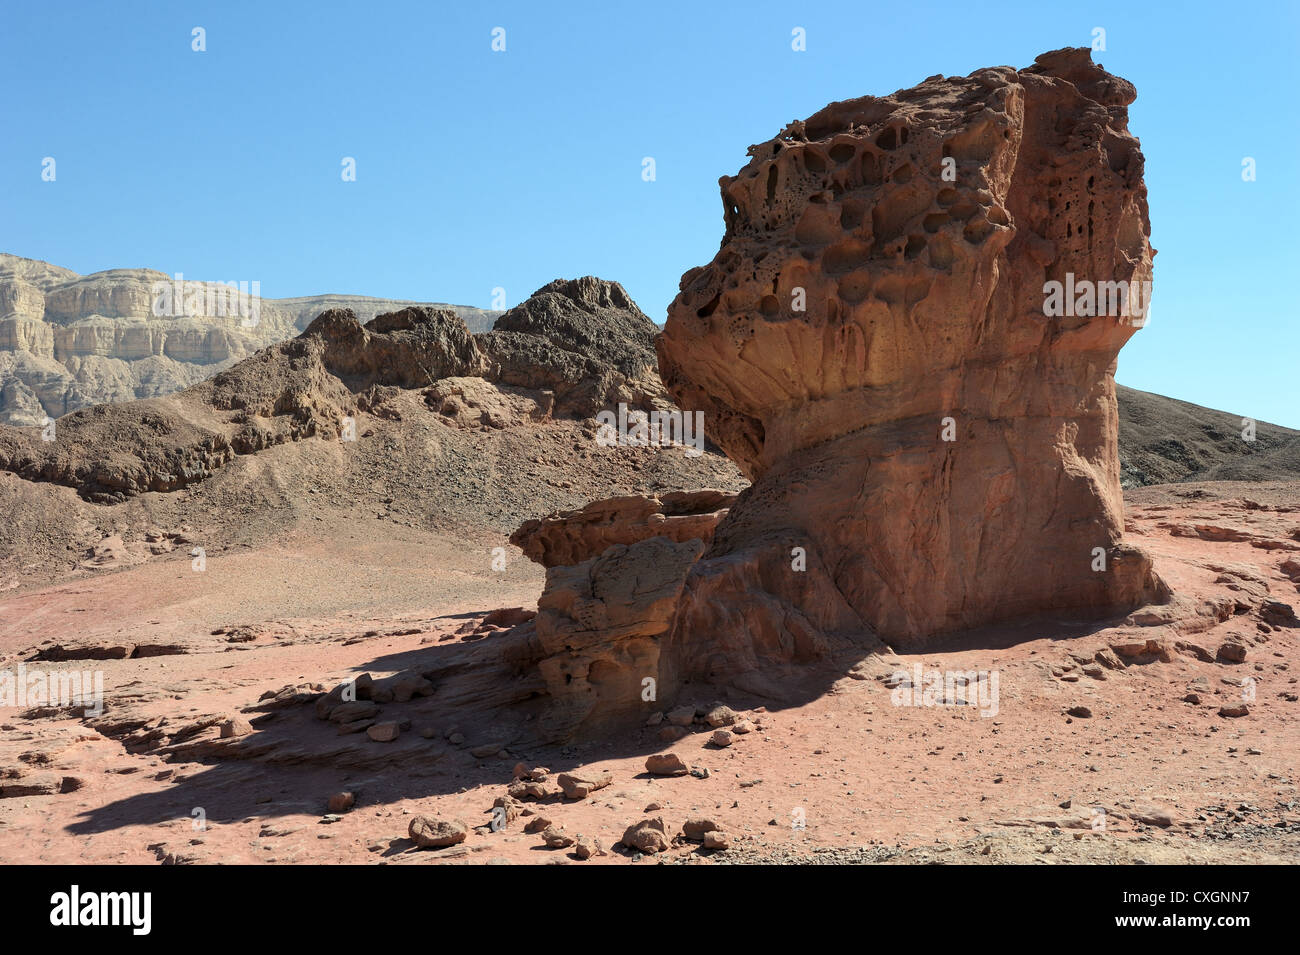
600	628
923	311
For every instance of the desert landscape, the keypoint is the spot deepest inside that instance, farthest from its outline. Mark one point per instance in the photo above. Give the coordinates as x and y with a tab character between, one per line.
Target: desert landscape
858	555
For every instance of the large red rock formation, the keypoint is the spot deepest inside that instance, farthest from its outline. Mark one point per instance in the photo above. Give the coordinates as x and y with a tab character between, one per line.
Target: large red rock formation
870	345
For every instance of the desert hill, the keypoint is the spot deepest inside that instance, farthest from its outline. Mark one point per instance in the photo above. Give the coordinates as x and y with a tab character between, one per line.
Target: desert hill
1163	441
408	418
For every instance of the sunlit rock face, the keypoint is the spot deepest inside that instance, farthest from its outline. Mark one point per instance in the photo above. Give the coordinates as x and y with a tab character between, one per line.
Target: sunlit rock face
933	443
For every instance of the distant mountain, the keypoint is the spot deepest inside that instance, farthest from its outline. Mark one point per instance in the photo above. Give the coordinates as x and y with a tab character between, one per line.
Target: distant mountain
68	341
1166	441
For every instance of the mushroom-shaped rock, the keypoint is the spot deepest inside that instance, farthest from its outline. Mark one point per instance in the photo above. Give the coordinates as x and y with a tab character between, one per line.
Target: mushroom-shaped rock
907	340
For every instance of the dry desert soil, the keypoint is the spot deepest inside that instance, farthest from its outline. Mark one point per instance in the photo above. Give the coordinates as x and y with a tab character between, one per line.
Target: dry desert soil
333	583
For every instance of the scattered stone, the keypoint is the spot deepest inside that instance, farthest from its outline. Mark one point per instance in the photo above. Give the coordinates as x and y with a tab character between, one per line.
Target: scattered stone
1161	818
404	686
528	789
666	764
694	829
432	833
356	726
342	802
513	808
585	848
234	727
1232	653
647	835
352	712
1082	712
722	738
720	715
1234	709
1278	614
716	839
580	785
556	838
682	716
384	732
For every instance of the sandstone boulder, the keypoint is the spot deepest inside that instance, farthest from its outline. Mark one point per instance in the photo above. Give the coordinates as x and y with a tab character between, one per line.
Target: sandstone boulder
431	833
581	784
648	835
931	449
666	764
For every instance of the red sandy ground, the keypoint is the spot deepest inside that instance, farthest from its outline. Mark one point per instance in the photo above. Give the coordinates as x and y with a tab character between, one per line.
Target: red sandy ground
875	781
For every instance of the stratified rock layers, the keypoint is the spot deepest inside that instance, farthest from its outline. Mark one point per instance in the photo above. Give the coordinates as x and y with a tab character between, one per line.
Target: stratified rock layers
882	271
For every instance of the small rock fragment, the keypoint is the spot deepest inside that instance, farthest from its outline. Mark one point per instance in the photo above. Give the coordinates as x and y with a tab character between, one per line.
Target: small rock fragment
666	764
384	732
579	785
647	835
431	833
342	802
716	839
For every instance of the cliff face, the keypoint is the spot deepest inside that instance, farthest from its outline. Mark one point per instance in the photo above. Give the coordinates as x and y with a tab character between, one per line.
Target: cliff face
68	341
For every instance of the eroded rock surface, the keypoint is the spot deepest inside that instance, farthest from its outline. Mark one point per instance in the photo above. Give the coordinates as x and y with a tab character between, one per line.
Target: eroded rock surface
922	302
571	537
601	626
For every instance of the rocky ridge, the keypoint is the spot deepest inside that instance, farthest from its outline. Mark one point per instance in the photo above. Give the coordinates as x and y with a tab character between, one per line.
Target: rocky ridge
68	341
317	383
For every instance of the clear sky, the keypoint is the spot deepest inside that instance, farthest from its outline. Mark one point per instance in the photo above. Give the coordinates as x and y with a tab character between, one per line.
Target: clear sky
478	169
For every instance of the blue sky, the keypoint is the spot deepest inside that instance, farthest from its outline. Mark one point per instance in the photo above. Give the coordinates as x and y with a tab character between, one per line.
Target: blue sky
478	169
